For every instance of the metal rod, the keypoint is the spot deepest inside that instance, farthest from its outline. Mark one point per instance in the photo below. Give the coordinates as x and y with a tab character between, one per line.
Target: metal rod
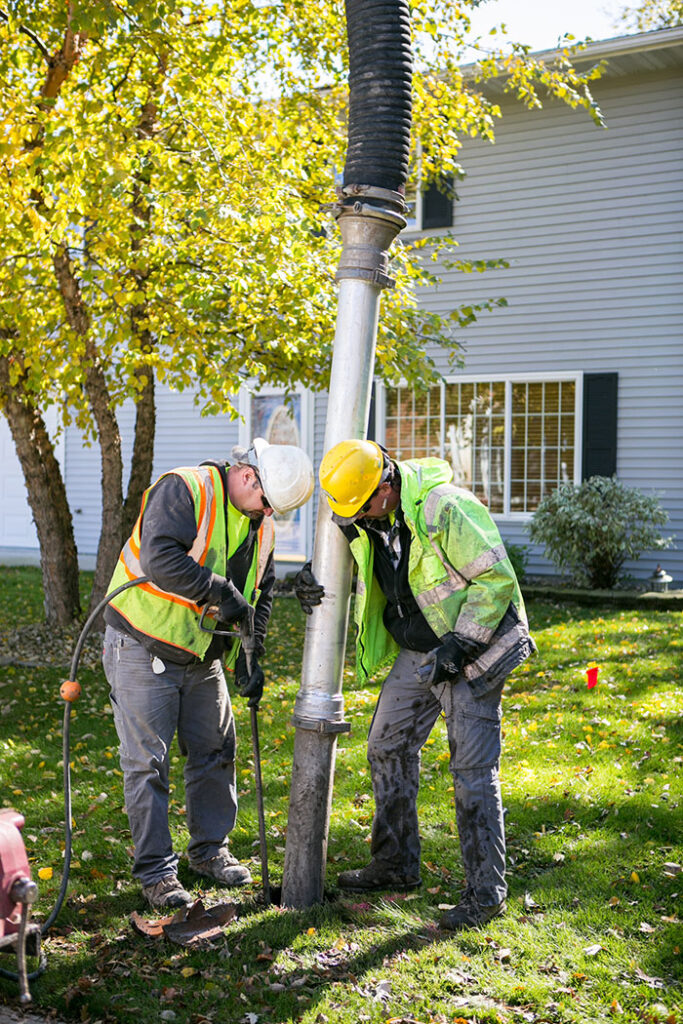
263	844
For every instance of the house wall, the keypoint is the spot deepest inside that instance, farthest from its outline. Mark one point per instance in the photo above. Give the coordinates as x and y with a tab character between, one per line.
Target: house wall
183	438
591	223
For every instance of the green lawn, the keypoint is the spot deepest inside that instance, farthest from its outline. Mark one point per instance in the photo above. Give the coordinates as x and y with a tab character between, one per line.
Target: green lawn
592	786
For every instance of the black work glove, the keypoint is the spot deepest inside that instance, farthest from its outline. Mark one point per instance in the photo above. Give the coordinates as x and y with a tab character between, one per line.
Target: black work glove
249	684
307	588
443	663
233	606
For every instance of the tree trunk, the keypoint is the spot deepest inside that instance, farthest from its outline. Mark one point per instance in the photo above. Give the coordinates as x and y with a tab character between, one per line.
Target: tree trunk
143	454
48	501
111	536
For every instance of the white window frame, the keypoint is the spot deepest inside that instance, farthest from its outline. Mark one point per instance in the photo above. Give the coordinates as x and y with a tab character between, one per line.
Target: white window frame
245	438
508	379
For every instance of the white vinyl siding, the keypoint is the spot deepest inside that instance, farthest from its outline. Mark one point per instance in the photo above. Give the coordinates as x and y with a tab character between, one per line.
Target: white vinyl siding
183	438
590	221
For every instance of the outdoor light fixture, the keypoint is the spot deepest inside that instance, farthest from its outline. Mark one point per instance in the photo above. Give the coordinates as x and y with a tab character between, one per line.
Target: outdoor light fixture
660	580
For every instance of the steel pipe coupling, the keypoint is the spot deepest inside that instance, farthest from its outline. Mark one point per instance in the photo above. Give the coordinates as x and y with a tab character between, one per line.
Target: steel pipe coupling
367	233
319	711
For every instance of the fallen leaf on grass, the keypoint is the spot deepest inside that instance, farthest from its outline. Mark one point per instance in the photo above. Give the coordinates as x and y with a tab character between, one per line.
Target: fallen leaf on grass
646	928
531	904
672	869
193	927
593	950
459	978
652	982
413	1020
151	928
382	991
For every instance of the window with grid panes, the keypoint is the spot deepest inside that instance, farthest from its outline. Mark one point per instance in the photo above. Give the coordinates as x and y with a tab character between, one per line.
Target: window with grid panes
482	427
542	442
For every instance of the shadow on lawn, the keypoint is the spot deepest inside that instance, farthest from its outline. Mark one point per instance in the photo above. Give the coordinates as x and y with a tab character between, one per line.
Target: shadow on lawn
243	962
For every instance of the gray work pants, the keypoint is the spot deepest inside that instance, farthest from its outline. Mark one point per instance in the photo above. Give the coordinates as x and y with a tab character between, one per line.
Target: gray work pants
404	717
149	708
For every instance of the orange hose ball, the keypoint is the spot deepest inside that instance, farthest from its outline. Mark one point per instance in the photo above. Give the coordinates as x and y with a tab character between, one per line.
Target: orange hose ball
70	690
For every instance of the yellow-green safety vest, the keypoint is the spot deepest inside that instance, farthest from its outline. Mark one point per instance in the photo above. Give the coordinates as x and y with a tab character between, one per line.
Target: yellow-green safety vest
458	572
169	617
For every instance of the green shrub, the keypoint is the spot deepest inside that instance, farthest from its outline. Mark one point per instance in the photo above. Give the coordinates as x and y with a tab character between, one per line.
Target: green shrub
518	555
592	529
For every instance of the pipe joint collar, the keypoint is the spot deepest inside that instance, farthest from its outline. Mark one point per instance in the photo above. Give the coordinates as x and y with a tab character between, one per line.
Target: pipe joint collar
367	233
325	728
393	200
319	710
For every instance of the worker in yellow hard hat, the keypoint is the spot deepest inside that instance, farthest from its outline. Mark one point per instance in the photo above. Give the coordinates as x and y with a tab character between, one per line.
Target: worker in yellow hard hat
438	597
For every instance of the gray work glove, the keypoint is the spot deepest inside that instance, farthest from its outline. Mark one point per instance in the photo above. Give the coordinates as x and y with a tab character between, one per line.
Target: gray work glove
307	589
249	684
443	663
233	607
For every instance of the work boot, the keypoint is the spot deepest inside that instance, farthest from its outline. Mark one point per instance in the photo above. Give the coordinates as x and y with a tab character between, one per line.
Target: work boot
470	914
167	893
377	875
223	868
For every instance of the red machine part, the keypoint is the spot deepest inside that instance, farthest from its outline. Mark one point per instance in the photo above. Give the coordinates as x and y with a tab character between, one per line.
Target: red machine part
14	868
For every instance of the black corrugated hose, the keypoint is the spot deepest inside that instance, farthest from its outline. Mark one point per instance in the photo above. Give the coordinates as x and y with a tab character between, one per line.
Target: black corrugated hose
66	743
380	83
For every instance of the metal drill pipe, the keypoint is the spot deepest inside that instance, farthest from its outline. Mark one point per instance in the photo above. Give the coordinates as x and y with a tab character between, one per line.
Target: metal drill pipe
367	232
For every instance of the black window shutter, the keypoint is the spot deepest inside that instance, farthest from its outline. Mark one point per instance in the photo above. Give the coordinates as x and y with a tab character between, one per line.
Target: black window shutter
599	424
437	203
372	413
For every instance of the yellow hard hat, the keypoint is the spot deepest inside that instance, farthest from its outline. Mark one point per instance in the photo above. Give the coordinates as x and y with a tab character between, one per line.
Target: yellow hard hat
349	474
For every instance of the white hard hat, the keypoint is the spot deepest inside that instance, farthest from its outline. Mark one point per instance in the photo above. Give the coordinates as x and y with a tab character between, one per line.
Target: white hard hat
286	473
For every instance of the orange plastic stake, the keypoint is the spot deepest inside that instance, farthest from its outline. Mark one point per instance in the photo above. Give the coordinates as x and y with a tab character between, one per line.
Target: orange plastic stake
591	676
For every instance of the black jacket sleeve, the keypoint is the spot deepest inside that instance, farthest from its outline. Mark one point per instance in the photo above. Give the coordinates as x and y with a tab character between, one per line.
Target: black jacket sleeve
168	531
264	604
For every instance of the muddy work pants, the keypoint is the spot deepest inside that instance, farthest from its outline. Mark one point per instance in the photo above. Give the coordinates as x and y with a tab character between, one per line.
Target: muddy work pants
404	717
152	701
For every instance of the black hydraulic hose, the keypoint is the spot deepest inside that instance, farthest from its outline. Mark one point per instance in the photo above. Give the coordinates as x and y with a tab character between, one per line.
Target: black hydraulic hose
380	85
67	775
66	742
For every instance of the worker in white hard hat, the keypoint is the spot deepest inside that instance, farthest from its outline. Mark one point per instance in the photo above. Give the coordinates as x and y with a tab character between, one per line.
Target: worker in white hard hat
204	541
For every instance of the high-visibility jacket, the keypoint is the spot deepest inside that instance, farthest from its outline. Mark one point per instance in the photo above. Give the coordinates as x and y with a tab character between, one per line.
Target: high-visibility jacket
458	572
172	618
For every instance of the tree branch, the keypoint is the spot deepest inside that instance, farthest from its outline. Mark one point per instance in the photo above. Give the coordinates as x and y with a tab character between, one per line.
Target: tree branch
31	34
